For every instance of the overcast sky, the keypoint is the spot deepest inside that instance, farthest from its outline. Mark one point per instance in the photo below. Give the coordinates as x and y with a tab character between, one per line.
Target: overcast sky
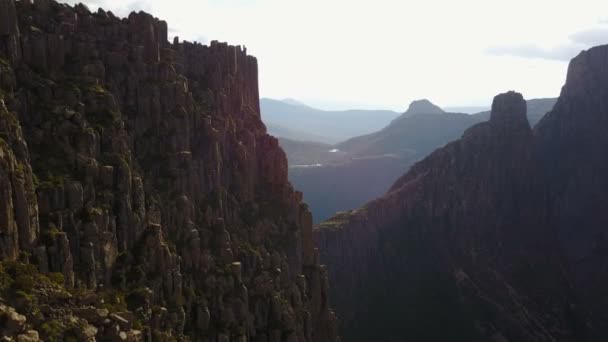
384	53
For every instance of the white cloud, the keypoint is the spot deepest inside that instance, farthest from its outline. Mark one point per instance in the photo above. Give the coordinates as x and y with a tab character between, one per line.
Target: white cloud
578	41
388	52
560	53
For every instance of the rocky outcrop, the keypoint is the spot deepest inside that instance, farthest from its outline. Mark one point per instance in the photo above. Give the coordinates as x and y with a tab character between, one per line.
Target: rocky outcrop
572	145
18	213
423	107
141	194
498	236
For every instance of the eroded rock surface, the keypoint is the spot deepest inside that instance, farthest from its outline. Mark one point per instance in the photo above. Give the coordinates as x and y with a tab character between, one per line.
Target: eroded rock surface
140	195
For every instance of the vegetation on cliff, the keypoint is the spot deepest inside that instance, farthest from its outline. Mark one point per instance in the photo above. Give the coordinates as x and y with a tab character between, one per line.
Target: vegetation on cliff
140	195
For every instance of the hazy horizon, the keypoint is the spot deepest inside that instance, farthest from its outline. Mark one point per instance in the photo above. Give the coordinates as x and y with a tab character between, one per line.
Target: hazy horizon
373	58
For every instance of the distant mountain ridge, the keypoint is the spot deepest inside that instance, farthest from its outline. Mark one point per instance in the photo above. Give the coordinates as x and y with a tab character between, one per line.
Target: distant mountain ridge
422	128
466	109
296	135
332	126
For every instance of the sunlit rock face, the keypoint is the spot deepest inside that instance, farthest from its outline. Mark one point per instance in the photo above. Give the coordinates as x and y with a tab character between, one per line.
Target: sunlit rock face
140	195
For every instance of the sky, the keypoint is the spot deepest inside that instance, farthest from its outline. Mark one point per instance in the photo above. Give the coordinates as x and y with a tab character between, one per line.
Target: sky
339	54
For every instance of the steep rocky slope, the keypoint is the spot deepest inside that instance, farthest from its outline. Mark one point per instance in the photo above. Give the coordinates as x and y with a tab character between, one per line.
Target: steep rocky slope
140	196
498	236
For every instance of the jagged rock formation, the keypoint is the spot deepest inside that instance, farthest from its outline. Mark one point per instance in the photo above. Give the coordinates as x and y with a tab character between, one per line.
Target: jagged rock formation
537	108
140	196
499	236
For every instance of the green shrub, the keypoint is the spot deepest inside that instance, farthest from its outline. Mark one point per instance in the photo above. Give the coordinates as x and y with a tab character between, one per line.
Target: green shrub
6	281
114	301
24	283
49	235
52	331
57	278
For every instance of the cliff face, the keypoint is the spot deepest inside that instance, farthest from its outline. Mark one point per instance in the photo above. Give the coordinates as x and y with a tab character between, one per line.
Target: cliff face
498	236
140	196
572	145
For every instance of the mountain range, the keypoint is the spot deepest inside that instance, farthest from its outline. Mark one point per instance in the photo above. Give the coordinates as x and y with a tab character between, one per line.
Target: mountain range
306	123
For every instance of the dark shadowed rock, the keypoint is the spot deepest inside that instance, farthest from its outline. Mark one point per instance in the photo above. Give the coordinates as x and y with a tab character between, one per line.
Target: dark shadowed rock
509	111
8	18
496	236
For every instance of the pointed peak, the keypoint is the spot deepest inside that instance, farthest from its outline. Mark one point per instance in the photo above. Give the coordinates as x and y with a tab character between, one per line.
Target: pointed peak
509	110
424	106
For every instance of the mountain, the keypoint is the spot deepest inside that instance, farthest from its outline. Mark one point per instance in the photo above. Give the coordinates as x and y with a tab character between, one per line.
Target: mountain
467	109
141	198
333	126
366	166
295	135
498	236
294	102
369	164
420	130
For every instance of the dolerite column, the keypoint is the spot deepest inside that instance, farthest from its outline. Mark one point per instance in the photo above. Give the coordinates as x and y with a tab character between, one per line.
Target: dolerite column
142	31
9	31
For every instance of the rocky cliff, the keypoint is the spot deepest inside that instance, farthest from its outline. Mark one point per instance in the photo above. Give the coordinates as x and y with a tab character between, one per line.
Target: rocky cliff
499	236
140	195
